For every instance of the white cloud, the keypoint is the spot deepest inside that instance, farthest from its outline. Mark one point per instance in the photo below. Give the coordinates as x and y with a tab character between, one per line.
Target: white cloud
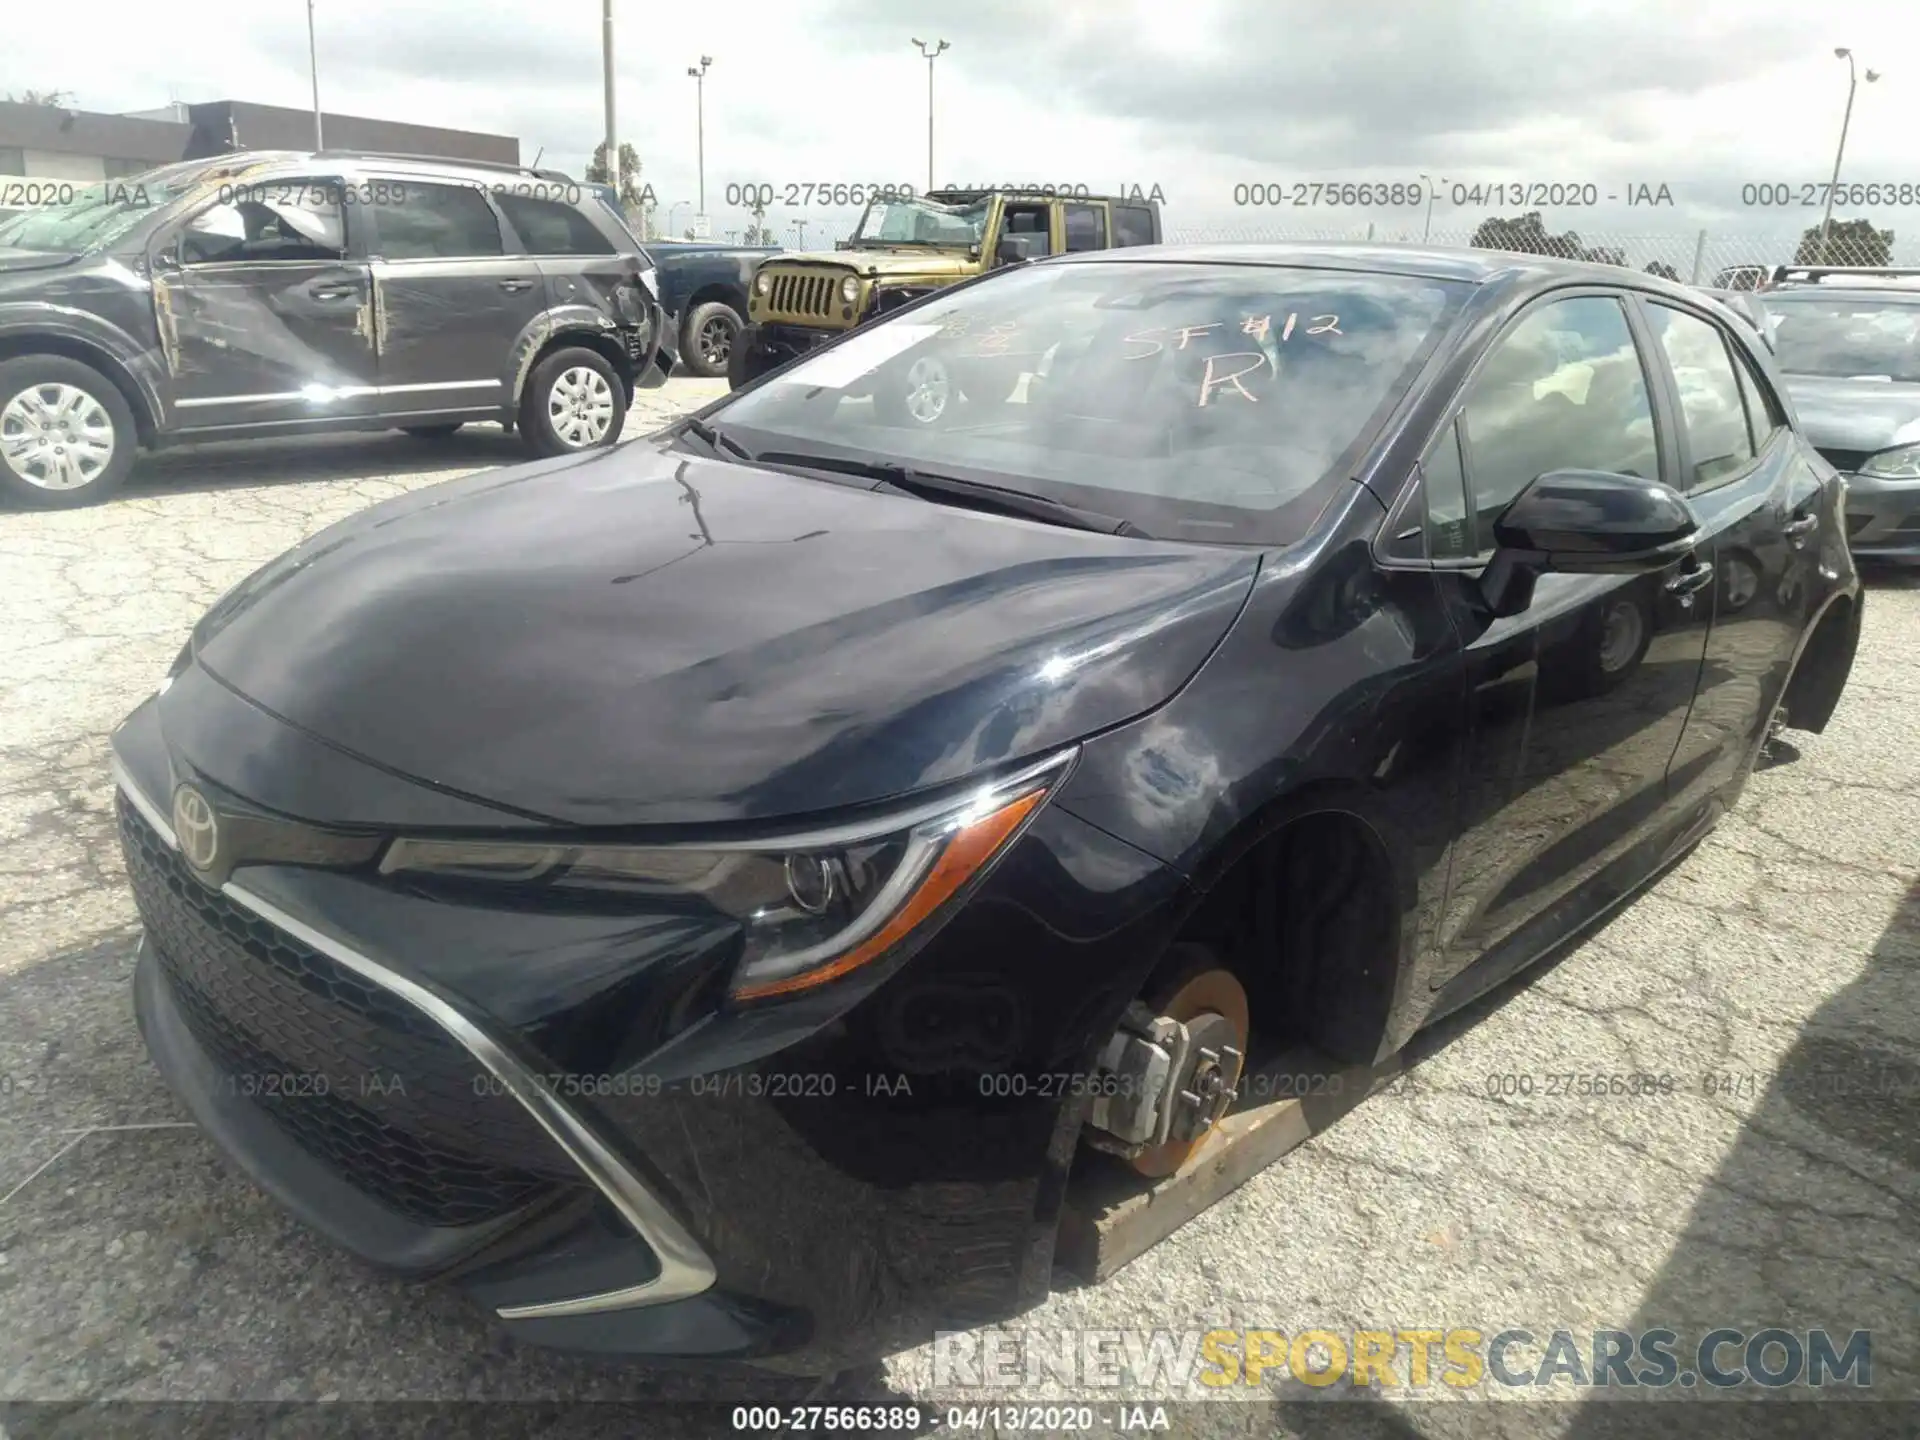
1195	96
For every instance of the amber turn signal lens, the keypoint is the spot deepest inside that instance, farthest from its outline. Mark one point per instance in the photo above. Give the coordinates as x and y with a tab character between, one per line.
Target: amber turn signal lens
969	848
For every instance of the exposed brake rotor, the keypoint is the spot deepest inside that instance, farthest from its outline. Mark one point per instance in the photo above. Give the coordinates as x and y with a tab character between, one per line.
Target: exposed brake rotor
1174	1067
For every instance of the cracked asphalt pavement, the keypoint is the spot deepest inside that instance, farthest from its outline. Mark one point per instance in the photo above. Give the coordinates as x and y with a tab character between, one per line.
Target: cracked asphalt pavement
1782	959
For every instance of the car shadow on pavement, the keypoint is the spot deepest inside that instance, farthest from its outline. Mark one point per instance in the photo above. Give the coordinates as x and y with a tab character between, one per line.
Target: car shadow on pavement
1812	1221
295	459
138	1264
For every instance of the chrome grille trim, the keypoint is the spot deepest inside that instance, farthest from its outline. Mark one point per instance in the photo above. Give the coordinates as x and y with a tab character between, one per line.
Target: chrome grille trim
685	1269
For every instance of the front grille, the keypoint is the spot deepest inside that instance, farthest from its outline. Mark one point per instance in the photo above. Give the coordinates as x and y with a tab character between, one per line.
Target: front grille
354	1074
802	295
1847	461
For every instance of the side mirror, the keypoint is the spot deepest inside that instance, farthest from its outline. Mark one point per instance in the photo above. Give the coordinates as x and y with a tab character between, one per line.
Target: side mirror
1011	249
167	258
1585	522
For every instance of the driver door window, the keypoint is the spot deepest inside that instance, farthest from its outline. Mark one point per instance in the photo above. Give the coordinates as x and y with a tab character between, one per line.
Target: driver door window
1564	389
1713	418
284	220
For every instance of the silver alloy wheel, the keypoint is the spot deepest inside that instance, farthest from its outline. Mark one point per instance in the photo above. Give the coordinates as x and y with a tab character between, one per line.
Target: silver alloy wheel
56	436
1621	635
580	407
928	389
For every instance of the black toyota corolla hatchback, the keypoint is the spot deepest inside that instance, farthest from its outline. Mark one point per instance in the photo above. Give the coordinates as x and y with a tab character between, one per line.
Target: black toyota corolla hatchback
705	897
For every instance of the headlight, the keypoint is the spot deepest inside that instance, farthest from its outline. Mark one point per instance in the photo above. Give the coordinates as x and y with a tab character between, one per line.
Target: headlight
809	907
762	283
850	289
1899	464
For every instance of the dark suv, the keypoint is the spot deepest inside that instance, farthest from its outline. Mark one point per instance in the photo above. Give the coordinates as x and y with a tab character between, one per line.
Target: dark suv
288	293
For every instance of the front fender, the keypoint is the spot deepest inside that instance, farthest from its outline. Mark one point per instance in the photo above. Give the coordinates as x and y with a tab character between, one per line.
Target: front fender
120	352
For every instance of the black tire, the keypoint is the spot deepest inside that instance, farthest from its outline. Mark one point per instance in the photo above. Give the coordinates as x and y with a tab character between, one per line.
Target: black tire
430	432
538	430
43	372
709	338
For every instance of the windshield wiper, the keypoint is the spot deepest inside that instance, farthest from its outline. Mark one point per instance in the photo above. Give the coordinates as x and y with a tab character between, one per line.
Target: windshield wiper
713	439
906	480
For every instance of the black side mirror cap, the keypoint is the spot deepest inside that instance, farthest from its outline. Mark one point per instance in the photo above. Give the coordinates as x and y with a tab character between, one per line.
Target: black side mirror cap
1585	522
1593	522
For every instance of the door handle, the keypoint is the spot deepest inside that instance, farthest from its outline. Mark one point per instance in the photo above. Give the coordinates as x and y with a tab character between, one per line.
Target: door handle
1797	531
322	290
1688	581
516	284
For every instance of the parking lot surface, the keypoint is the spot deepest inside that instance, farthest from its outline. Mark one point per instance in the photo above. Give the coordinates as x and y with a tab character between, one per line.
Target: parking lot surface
1774	976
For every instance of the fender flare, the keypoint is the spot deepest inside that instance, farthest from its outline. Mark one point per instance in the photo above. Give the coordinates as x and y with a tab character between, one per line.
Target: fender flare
135	369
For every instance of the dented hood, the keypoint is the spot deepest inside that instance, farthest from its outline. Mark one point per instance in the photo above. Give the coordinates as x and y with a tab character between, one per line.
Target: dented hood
641	637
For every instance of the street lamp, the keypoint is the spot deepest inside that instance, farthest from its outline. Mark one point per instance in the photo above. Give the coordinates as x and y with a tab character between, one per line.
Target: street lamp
699	74
670	209
1853	83
1433	188
606	82
932	52
313	66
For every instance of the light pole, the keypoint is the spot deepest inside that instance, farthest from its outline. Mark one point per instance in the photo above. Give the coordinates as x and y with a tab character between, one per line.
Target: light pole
670	209
932	52
699	75
1432	190
800	229
313	67
1853	84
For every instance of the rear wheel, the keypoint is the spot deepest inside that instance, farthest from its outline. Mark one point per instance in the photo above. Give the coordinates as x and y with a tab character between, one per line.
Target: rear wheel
67	434
707	340
574	401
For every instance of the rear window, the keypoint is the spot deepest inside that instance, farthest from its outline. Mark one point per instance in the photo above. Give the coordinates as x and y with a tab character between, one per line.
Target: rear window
1211	401
1132	225
1846	338
547	227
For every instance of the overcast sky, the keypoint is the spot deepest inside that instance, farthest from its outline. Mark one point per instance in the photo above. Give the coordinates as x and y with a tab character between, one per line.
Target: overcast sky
1194	95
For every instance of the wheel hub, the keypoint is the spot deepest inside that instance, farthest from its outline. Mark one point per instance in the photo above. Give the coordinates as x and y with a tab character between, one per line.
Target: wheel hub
55	436
1170	1072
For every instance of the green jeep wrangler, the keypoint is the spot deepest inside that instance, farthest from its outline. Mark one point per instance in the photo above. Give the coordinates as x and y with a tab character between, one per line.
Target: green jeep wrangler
906	247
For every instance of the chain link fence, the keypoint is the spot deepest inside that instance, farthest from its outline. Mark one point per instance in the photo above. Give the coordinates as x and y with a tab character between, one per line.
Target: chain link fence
1700	258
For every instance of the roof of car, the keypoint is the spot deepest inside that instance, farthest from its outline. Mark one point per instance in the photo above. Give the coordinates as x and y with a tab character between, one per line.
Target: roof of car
1436	262
1885	293
355	160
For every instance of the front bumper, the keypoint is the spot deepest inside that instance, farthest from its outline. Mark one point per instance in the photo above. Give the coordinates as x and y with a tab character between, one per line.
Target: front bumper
1883	518
787	341
652	348
591	1148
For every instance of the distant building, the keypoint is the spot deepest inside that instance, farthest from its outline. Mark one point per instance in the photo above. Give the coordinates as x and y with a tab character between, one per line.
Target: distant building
53	142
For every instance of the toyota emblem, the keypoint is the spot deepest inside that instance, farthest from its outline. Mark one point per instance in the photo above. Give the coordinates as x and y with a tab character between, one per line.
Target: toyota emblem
196	828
